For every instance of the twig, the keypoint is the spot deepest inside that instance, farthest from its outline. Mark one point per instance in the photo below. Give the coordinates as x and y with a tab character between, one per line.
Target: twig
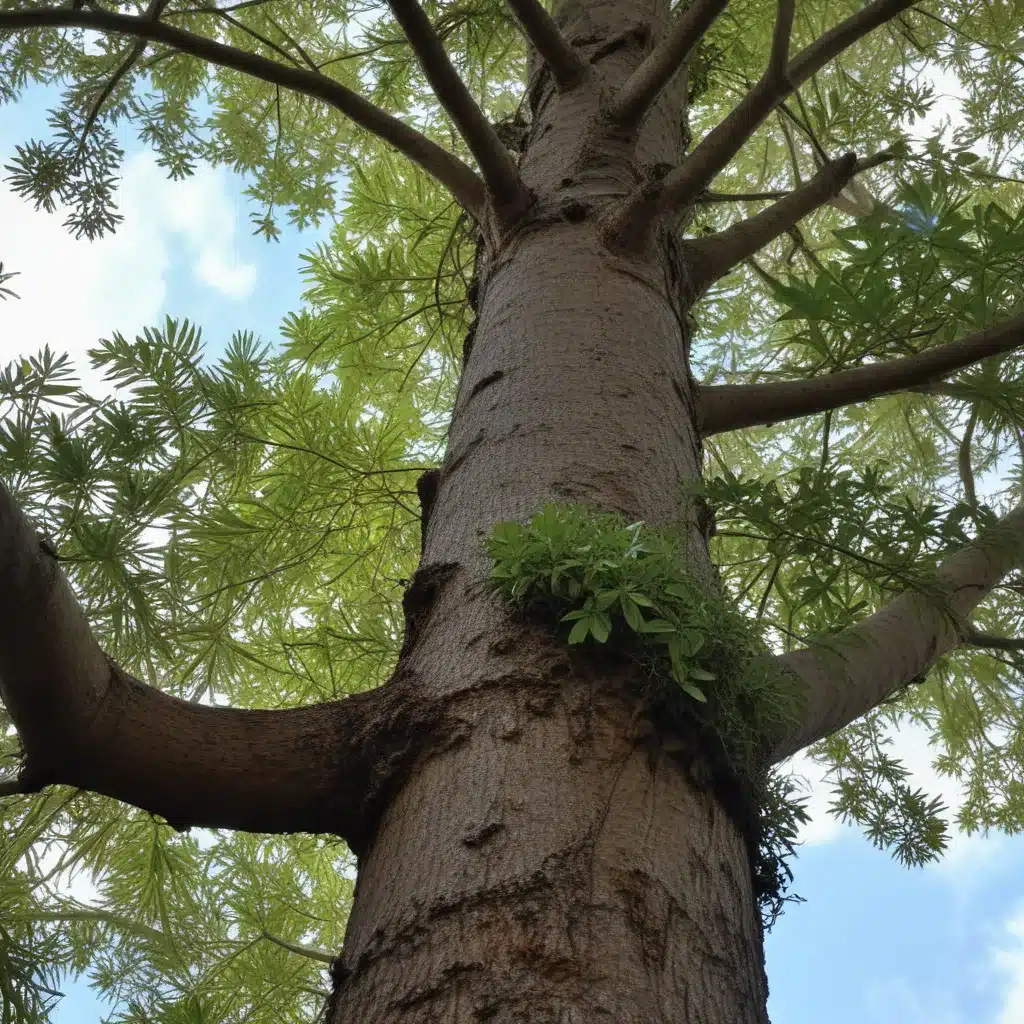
297	947
152	13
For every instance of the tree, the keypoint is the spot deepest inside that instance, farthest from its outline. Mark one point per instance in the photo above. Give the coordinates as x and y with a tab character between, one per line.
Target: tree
555	816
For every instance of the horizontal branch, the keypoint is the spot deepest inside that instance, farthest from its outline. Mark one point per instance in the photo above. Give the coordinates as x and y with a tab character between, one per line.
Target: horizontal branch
567	66
85	722
734	406
686	183
499	170
741	197
854	671
977	638
449	170
645	84
92	915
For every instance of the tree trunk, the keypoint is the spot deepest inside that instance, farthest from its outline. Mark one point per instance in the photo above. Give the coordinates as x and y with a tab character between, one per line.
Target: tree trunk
551	863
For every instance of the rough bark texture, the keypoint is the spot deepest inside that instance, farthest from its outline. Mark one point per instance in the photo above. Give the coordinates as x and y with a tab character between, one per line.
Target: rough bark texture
554	865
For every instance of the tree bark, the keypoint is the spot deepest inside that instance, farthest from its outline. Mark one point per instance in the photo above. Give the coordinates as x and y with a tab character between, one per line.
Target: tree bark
554	864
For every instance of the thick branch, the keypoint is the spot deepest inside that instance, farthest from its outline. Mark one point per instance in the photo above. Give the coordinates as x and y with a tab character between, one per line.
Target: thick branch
863	665
713	256
977	638
566	65
499	170
456	176
734	406
685	184
781	37
741	197
85	722
644	86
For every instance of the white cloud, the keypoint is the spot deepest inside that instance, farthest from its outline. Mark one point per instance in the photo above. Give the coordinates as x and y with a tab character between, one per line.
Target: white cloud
74	292
892	1000
1007	961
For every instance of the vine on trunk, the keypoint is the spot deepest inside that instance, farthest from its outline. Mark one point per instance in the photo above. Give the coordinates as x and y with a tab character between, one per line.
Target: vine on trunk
704	665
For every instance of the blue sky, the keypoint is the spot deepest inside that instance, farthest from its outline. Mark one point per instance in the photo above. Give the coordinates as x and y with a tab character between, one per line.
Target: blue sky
873	943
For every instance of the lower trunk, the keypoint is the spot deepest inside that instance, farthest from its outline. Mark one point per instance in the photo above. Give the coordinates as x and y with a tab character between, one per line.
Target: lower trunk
552	863
553	866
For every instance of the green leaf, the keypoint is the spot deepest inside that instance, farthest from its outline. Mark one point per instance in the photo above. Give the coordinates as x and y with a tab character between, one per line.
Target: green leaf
631	612
579	632
601	626
694	691
661	626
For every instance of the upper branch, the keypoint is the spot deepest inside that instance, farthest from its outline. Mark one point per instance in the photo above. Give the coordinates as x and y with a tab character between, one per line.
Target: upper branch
567	67
856	670
781	36
713	256
448	169
734	406
84	722
152	12
977	638
644	86
499	170
685	184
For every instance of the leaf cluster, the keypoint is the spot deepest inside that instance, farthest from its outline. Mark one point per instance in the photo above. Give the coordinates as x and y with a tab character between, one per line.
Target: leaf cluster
871	788
629	585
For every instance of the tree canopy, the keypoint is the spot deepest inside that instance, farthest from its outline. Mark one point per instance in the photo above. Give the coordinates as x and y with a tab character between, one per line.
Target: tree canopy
240	531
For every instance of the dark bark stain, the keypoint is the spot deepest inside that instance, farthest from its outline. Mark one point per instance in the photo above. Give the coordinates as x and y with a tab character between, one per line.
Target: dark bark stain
486	382
450	467
426	489
480	835
639	35
419	598
575	211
